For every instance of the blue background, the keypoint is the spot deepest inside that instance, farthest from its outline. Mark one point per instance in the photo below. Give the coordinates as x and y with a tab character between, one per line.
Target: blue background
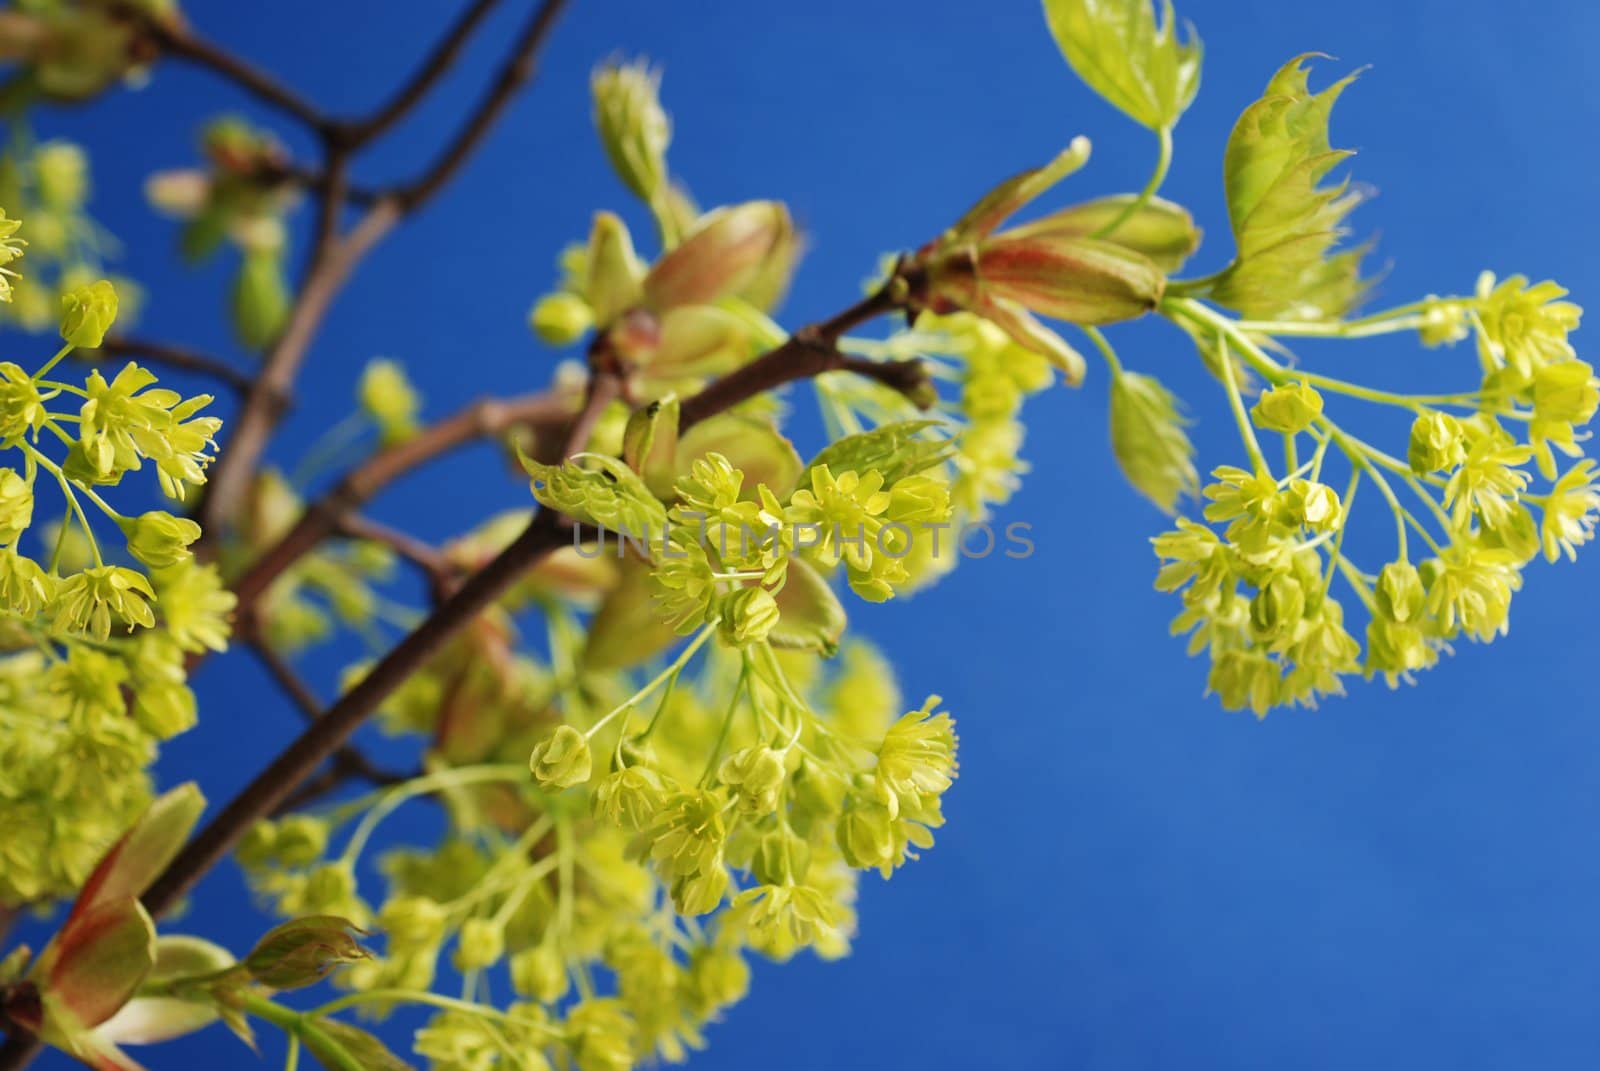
1130	877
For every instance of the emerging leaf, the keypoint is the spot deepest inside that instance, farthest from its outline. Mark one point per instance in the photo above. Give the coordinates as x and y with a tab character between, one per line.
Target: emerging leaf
1128	57
340	1046
303	952
812	618
1285	223
1149	442
897	450
1164	232
609	495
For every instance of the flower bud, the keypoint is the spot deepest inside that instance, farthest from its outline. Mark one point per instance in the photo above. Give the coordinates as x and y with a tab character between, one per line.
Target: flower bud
480	944
1315	505
611	269
299	840
561	759
756	774
1565	393
866	835
1079	280
1290	408
748	616
260	298
303	952
700	893
650	444
1159	229
730	249
158	539
1438	442
62	173
389	399
539	973
1278	607
560	319
1399	592
717	978
87	313
16	505
634	129
412	922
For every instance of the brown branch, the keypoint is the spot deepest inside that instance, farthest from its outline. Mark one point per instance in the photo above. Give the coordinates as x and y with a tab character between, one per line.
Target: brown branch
178	357
433	563
178	40
328	733
811	351
485	419
347	761
517	71
331	264
353	135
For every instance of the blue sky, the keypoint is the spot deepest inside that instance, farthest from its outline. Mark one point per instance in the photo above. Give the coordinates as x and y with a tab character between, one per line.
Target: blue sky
1130	877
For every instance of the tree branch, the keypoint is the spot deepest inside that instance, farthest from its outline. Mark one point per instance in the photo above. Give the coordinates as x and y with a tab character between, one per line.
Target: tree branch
518	70
353	135
187	360
811	351
484	419
178	40
331	264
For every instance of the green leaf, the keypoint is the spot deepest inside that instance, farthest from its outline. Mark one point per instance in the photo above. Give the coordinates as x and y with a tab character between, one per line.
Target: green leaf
341	1047
897	450
1124	54
1149	442
1286	221
609	495
103	957
143	852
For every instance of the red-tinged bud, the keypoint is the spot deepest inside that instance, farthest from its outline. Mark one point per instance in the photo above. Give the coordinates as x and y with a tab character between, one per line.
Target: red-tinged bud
1159	229
729	250
1079	280
1000	203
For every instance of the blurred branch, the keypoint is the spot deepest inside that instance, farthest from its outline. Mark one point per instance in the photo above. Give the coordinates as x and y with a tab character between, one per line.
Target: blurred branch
178	40
444	55
178	357
332	260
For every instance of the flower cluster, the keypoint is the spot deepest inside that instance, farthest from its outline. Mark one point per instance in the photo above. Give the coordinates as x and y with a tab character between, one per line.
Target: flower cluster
1258	596
94	648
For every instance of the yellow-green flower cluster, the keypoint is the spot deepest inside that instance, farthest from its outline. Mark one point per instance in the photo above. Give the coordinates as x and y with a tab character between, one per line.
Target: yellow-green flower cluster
1258	595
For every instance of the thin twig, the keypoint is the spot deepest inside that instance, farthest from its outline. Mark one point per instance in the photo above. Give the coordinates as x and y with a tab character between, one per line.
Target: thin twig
178	357
177	39
512	76
444	55
331	264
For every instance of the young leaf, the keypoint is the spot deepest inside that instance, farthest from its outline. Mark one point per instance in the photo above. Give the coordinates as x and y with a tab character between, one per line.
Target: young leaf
1124	54
897	450
1149	442
1285	222
303	952
812	618
340	1046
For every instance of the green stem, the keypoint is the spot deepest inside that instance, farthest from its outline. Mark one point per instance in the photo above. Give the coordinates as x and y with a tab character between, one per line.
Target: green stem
52	362
390	799
658	680
1102	344
1247	431
303	1027
1157	177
